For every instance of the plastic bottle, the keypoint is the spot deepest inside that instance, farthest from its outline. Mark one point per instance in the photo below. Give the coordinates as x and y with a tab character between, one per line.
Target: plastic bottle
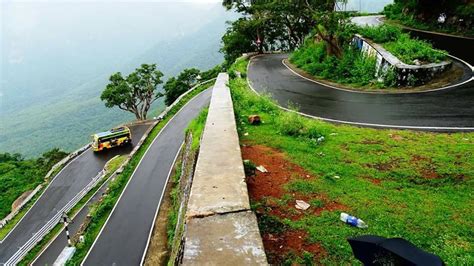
352	220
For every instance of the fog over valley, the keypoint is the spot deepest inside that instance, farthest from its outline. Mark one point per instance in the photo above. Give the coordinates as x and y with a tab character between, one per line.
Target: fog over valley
57	57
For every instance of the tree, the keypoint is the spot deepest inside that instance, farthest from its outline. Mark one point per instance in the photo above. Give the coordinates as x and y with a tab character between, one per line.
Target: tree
136	92
176	86
332	27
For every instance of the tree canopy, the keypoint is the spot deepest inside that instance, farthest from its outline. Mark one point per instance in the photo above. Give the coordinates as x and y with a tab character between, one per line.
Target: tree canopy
282	25
134	93
176	86
18	175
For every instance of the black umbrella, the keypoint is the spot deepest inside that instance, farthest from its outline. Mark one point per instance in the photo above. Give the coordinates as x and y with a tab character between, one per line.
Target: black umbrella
376	250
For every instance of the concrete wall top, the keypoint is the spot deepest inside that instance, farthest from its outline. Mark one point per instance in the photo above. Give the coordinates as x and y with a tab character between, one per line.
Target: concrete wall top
219	179
221	229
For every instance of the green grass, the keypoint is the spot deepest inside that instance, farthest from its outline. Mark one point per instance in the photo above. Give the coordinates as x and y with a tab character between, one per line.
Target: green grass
353	68
101	211
18	175
401	45
114	164
434	214
195	128
395	14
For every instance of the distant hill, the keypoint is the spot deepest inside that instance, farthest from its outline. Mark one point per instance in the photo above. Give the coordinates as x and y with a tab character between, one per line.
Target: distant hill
53	100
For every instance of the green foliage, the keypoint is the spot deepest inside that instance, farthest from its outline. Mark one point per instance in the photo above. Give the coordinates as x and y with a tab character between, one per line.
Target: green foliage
249	168
423	14
352	68
136	92
238	39
430	212
407	50
196	127
18	175
381	34
212	73
176	86
102	210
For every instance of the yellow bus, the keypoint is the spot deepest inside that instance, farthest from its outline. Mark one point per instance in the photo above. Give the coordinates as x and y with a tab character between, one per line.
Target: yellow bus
115	137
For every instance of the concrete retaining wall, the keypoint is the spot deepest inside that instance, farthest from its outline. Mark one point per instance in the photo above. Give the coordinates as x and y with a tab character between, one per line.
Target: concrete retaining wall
405	73
221	229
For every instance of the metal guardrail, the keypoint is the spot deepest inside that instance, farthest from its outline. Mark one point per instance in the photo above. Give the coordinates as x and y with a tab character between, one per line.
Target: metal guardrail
38	236
23	250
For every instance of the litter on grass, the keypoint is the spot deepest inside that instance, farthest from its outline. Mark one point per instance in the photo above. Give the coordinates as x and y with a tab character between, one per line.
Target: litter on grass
262	169
302	205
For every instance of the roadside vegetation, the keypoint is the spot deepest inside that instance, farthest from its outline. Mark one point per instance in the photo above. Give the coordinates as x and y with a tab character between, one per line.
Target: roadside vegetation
414	185
19	175
100	211
112	166
354	68
401	45
458	16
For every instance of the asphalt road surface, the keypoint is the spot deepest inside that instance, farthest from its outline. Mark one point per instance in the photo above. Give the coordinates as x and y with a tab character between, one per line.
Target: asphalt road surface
70	181
443	110
124	237
51	253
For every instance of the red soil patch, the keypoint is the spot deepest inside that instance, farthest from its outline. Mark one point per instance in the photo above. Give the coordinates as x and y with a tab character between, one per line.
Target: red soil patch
293	241
280	172
426	167
374	181
269	190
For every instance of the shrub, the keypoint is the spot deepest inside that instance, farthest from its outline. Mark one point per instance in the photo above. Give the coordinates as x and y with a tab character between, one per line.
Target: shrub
407	50
290	124
381	34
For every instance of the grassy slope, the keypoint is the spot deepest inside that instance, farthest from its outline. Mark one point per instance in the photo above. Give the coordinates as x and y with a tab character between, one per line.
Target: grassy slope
432	213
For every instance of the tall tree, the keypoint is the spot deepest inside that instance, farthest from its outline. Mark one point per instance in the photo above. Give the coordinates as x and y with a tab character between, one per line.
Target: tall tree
136	92
333	27
176	86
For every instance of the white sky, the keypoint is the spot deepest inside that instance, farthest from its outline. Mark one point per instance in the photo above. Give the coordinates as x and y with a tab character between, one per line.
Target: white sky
131	1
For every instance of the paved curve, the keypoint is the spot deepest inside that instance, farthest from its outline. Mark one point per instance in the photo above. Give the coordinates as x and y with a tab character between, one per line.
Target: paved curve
124	237
70	181
445	108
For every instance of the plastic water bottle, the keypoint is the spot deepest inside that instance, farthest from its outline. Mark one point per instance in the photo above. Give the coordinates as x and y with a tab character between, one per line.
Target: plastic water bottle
352	220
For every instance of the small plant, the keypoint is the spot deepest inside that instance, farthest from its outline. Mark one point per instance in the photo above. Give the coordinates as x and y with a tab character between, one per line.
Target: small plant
249	168
270	224
411	80
317	203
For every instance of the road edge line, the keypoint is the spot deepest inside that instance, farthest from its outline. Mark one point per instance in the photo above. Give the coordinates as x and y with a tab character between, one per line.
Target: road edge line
159	204
72	218
133	174
394	93
249	83
42	193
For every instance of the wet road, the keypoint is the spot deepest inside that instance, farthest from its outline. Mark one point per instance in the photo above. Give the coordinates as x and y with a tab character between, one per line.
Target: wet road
68	183
445	110
124	238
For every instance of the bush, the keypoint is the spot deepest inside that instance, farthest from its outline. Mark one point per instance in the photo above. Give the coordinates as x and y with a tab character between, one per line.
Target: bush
352	68
381	34
407	50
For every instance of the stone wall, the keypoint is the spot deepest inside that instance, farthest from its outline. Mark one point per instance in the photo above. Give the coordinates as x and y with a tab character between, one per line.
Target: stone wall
405	74
220	227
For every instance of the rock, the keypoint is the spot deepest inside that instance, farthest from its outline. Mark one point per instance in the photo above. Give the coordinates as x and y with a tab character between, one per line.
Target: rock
18	202
254	120
302	205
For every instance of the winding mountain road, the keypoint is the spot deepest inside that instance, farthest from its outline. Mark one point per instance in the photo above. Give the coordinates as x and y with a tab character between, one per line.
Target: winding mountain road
125	236
66	184
443	110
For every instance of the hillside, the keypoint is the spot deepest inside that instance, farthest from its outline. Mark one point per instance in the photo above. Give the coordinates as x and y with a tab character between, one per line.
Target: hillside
56	103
